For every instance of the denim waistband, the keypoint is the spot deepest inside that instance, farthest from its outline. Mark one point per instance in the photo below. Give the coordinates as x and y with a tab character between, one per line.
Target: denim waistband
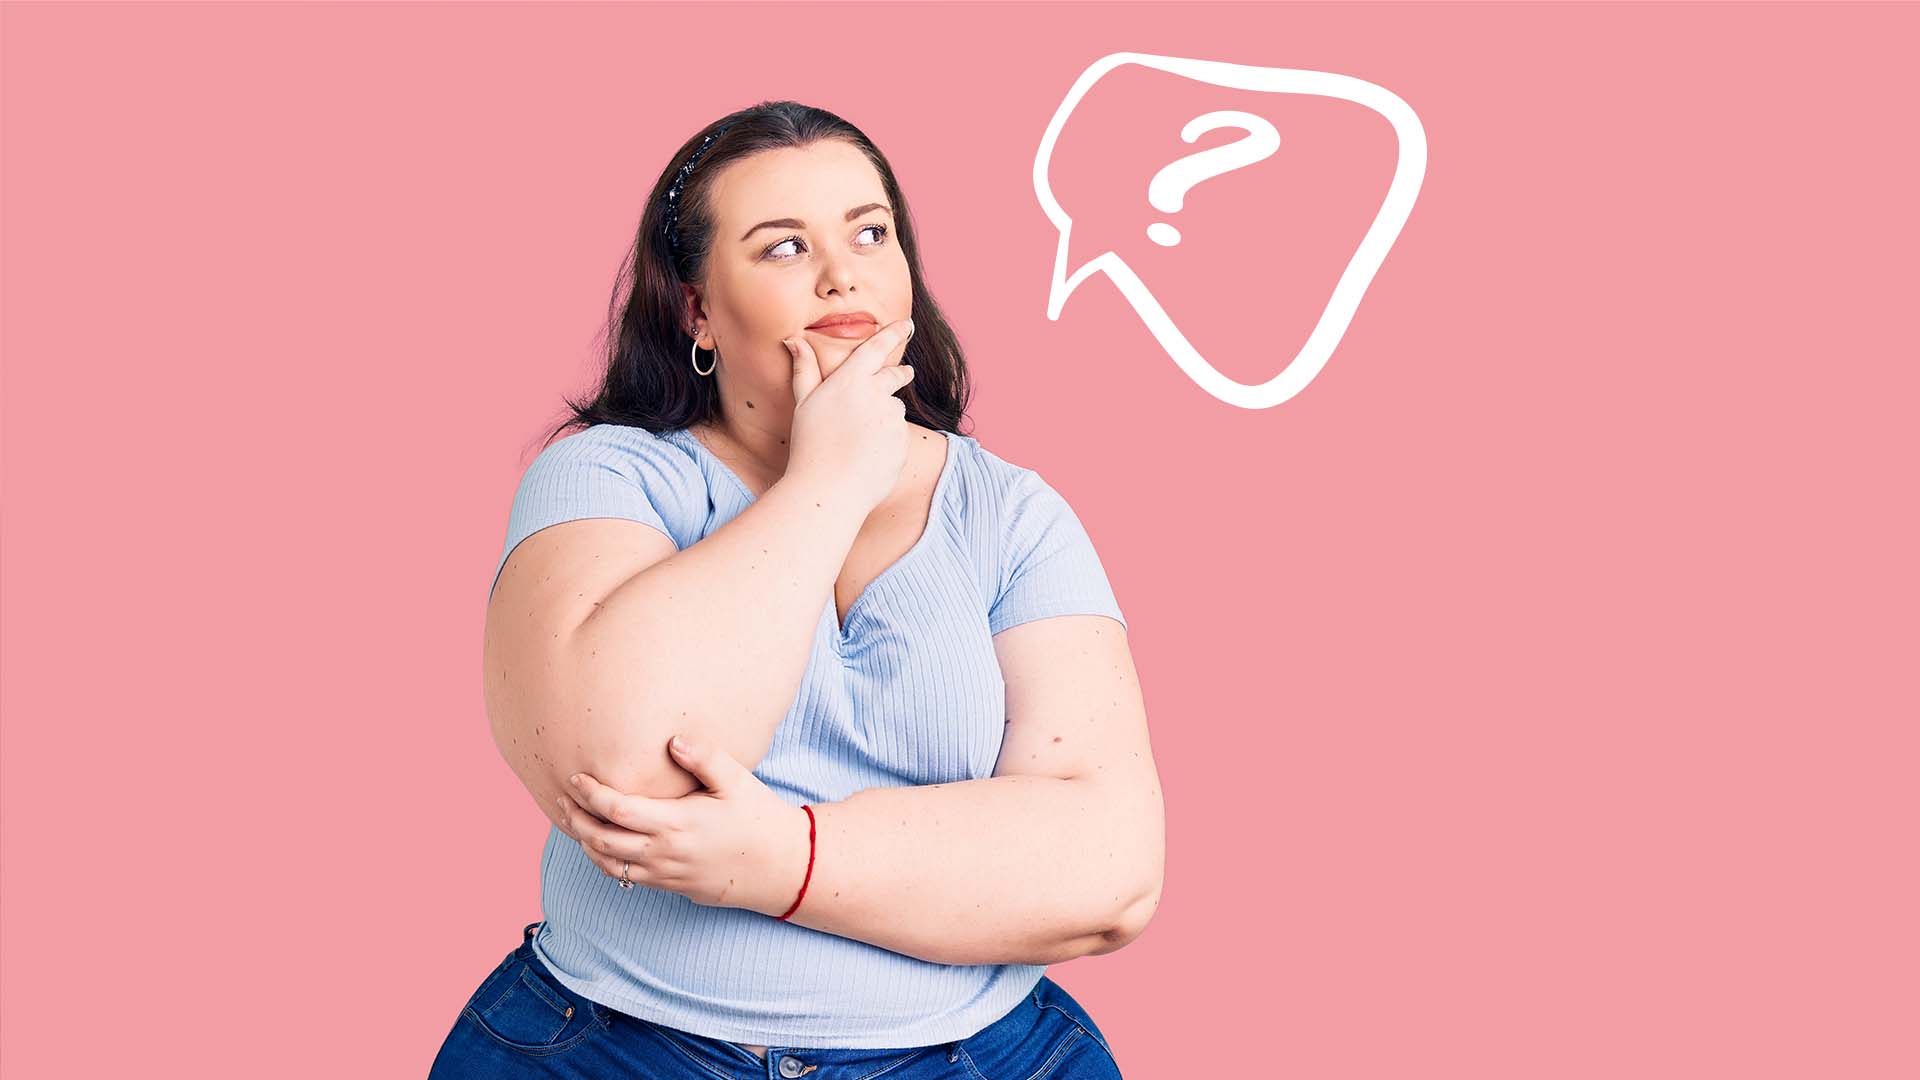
729	1058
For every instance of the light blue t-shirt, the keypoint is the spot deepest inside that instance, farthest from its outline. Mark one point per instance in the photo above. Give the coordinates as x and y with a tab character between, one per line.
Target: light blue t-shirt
909	693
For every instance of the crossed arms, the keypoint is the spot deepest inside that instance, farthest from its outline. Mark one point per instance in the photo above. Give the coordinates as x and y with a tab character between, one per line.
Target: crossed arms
602	640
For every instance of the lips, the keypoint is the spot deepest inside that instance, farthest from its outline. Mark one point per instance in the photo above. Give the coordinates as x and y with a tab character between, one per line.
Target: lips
843	318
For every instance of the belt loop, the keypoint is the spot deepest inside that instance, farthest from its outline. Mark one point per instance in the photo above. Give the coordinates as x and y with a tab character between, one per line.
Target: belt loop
527	934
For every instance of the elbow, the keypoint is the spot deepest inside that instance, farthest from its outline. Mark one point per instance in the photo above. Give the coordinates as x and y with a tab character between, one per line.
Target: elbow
645	767
1142	892
554	713
1130	923
544	750
633	759
649	772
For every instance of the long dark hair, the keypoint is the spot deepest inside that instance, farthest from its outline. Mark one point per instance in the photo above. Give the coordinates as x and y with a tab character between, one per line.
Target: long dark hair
649	381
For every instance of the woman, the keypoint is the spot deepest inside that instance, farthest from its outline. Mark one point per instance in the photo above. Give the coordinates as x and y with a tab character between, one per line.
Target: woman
896	806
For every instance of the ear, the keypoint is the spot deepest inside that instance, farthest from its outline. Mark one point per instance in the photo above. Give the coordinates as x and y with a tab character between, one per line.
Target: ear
691	308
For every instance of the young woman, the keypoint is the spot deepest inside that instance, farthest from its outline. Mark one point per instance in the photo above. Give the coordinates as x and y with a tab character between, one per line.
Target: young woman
917	767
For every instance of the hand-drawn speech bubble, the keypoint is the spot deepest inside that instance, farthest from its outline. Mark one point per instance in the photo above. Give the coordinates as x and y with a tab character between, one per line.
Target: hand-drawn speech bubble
1167	191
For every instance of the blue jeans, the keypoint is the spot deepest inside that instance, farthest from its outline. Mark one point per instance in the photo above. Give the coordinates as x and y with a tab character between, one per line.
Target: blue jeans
524	1022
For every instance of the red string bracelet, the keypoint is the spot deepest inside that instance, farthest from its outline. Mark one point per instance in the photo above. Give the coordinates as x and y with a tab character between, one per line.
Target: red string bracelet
809	877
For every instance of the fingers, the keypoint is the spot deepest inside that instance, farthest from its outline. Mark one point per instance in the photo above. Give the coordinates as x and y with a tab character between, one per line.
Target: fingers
612	850
600	840
886	346
806	367
613	806
900	374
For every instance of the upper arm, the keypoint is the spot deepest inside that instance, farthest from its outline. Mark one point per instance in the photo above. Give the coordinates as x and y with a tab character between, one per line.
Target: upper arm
1046	561
586	517
604	472
1073	700
1074	709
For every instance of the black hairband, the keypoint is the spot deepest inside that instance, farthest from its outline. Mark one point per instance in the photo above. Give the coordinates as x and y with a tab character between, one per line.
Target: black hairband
671	216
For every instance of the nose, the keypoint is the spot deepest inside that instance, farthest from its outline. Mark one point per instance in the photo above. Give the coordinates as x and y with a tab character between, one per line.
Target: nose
837	273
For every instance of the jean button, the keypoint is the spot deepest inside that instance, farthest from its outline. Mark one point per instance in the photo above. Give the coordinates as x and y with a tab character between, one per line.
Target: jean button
791	1067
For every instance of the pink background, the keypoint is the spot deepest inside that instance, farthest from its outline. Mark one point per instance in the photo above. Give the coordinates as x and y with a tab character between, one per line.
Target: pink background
1534	693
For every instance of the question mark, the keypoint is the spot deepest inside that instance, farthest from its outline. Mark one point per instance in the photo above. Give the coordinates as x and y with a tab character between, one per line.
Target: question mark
1167	191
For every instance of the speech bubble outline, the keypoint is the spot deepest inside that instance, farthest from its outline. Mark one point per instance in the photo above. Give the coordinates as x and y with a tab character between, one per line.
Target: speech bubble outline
1409	172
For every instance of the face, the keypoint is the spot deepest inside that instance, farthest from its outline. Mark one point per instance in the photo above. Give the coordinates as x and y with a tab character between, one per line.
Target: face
765	282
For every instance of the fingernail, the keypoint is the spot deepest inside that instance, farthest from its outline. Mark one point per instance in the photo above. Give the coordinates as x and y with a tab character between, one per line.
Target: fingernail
574	779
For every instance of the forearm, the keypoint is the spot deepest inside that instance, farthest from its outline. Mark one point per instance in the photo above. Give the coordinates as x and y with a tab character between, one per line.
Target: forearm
1011	869
664	652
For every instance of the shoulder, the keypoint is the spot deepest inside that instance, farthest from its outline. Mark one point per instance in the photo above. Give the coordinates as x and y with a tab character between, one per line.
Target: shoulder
993	476
1011	507
659	464
1043	560
1012	491
611	470
624	446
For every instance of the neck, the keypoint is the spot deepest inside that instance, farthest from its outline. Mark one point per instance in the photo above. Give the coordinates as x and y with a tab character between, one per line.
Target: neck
752	443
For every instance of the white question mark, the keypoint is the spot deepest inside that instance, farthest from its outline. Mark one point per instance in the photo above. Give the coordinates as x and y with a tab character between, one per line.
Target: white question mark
1167	191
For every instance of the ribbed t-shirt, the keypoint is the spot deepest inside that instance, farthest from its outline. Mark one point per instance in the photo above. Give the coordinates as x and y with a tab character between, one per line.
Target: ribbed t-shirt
908	693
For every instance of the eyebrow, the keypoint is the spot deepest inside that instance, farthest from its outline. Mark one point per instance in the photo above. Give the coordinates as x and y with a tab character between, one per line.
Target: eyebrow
796	223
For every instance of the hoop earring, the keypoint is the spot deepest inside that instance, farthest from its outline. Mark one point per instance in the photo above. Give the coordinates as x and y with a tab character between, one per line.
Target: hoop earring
696	359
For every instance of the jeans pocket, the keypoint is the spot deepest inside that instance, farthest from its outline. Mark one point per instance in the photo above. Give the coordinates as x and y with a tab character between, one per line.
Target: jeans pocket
524	1008
1050	995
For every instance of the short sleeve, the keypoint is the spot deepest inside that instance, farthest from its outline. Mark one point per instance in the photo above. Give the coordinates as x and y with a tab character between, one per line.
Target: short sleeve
605	471
1047	562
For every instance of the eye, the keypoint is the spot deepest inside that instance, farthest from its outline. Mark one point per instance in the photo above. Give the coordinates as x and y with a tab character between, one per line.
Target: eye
769	253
